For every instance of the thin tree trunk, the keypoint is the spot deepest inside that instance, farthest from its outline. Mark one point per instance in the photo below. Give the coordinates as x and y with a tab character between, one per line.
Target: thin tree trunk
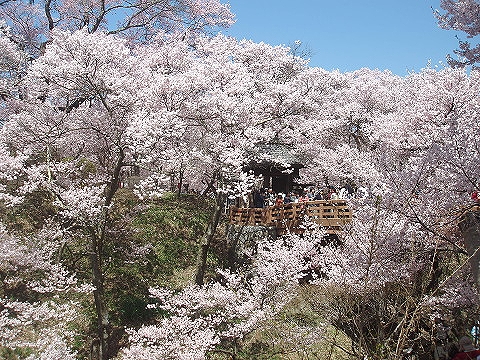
180	183
207	239
101	309
96	261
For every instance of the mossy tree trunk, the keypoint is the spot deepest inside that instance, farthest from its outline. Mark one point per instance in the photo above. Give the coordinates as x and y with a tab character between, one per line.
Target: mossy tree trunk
98	237
207	239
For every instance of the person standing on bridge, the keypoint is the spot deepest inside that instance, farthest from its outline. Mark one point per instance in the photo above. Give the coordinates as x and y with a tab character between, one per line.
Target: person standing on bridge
303	198
288	198
279	200
476	196
258	199
467	350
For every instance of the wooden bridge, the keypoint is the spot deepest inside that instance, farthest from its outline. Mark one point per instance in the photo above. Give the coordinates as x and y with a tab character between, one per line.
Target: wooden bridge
292	217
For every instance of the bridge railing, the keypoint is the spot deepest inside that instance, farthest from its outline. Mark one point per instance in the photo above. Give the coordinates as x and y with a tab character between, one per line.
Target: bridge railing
330	214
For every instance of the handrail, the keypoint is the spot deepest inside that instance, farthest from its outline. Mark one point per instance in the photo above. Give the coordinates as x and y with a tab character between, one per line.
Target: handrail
330	214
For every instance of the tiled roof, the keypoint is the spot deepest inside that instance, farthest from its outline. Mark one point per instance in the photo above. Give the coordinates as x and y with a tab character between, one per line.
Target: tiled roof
282	155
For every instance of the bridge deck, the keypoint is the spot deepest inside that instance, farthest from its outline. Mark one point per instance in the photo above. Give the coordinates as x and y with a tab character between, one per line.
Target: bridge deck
330	214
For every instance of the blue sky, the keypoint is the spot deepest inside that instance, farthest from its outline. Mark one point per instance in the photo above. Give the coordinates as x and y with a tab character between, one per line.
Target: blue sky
400	36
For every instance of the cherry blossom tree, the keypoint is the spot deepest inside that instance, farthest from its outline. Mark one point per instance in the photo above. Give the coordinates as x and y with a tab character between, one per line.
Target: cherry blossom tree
209	107
35	311
196	107
461	15
140	20
13	65
415	147
68	135
215	317
223	99
92	107
26	26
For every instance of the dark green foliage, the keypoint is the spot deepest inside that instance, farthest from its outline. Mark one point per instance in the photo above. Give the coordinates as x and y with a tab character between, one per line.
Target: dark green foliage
146	244
173	227
132	309
150	243
31	215
14	354
258	349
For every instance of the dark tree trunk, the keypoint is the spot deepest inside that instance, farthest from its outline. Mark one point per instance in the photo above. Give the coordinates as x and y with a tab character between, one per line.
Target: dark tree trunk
207	239
98	237
180	182
101	309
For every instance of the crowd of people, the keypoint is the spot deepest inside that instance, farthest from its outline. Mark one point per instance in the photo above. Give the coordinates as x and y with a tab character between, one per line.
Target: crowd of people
261	198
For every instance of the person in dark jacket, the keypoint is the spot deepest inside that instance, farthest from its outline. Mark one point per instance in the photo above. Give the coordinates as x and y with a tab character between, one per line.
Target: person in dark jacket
258	199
